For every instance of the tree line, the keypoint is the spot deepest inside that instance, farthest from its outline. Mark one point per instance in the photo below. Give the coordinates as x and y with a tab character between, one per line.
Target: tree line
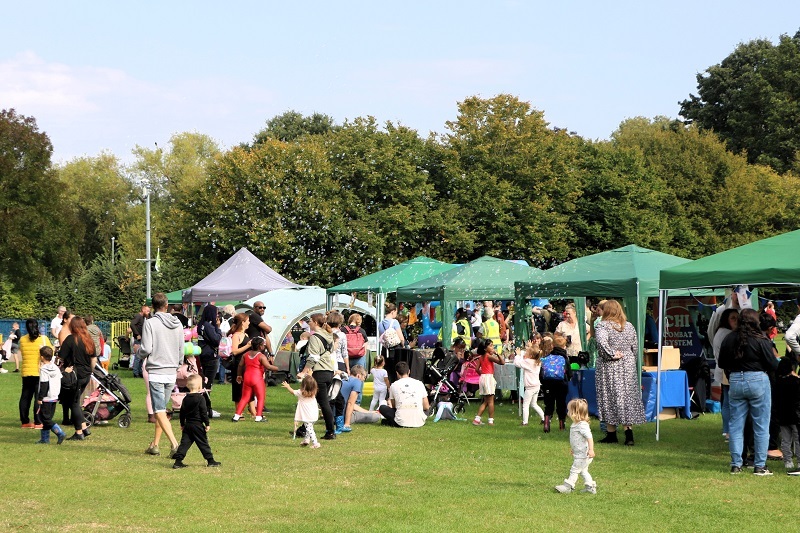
324	203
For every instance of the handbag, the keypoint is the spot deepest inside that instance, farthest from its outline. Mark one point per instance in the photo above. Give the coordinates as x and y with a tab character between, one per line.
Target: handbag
69	380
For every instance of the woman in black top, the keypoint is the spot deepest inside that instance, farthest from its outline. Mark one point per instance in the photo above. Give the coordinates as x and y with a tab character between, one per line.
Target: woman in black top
747	356
77	353
209	337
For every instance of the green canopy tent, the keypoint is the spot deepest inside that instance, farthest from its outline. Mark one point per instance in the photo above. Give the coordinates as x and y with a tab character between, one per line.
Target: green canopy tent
630	272
388	280
772	261
485	278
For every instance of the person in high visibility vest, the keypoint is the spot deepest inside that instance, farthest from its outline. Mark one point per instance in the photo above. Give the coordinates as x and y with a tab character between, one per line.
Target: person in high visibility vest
461	328
491	329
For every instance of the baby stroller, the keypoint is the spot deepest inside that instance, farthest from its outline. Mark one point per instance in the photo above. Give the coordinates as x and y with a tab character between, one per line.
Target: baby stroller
109	399
438	374
181	389
124	358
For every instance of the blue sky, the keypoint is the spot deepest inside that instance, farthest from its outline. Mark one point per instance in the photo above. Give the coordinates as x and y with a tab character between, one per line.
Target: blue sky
107	75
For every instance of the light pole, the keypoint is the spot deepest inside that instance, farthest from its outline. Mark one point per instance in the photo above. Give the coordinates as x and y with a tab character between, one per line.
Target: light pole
147	237
112	250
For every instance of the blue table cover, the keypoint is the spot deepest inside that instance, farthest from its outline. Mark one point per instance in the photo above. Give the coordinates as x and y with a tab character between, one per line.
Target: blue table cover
674	391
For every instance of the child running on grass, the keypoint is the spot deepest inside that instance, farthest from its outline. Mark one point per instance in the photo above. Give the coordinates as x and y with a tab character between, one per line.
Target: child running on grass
380	383
307	409
531	364
49	389
488	384
582	444
194	424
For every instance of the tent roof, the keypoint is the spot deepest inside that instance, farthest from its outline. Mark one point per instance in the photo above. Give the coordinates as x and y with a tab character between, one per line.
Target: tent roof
615	272
772	261
285	307
484	278
241	277
389	279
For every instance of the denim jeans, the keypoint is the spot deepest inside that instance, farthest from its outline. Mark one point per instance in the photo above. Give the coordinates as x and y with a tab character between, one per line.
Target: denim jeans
159	395
726	409
749	393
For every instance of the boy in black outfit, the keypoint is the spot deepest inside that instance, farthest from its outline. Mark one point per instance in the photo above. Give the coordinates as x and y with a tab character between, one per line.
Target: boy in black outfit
787	396
194	424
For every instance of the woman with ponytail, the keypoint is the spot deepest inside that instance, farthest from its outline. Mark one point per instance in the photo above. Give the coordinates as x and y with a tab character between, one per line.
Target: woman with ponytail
322	363
77	353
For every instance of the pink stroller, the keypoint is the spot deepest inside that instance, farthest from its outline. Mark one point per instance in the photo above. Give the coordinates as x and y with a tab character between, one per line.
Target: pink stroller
188	368
470	378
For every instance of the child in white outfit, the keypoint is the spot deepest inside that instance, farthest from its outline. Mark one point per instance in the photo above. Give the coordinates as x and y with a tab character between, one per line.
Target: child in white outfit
530	363
380	382
307	408
582	444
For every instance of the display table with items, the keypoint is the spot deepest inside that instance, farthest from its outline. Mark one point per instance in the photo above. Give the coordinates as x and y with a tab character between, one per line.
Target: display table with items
674	391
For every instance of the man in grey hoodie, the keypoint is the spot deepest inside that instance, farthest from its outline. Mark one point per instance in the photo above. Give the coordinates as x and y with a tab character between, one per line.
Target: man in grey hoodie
162	348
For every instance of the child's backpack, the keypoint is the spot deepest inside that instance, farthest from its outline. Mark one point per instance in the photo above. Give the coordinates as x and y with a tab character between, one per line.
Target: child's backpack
225	347
390	338
553	367
356	346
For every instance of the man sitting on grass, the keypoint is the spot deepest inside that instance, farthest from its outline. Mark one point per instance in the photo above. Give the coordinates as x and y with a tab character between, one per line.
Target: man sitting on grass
351	392
408	401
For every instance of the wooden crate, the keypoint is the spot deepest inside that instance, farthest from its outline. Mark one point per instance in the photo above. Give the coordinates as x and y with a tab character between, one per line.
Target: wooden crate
670	359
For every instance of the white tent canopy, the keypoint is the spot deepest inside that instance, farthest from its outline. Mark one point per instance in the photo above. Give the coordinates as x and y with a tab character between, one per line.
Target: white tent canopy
285	307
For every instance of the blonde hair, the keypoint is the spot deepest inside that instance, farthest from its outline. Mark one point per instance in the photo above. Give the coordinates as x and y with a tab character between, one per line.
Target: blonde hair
578	410
533	352
194	383
308	387
612	312
547	345
355	319
559	340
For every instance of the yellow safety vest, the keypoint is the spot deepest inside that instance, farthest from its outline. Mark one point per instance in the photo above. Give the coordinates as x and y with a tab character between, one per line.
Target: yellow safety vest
467	336
492	331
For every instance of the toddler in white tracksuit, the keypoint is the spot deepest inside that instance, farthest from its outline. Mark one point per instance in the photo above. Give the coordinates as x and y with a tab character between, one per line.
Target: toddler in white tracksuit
531	364
582	444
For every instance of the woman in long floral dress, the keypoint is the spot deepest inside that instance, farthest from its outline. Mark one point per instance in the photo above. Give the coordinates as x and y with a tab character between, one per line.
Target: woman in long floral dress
619	396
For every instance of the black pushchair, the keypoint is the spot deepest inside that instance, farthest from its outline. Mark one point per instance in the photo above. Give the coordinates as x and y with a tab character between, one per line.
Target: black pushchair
109	399
437	375
124	357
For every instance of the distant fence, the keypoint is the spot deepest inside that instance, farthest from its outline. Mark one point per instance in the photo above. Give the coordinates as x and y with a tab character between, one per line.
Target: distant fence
44	327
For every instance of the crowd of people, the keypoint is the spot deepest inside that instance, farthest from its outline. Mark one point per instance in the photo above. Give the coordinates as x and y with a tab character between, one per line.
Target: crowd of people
760	391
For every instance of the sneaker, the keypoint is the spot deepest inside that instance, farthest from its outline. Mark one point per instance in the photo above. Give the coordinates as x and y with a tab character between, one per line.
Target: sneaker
793	472
212	463
179	464
152	450
736	470
172	452
3	371
76	436
235	418
305	442
477	422
329	436
86	432
16	370
589	490
762	471
491	421
258	419
215	414
316	445
346	429
564	488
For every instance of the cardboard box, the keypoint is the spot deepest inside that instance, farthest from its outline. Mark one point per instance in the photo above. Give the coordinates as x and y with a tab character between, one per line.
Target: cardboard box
670	359
668	413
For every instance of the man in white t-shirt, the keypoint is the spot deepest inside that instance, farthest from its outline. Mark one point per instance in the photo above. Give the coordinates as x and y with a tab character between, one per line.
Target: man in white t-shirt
408	401
55	324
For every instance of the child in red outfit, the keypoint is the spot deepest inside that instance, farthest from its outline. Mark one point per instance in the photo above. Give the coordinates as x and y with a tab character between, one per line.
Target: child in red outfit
488	358
251	375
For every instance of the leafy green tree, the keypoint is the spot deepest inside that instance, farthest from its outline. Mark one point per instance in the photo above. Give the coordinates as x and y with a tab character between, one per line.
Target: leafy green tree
752	101
292	125
515	179
35	240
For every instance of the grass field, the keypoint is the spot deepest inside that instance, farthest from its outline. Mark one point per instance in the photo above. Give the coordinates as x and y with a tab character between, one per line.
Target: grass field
448	476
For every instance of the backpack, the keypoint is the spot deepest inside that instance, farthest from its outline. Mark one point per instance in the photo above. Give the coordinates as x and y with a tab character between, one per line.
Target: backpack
355	342
225	347
390	338
304	351
553	367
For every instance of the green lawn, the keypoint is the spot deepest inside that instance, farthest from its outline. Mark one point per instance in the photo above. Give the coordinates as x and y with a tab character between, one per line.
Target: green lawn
448	476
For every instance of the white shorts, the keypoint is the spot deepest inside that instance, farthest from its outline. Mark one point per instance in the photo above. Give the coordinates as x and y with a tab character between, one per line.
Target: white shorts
487	385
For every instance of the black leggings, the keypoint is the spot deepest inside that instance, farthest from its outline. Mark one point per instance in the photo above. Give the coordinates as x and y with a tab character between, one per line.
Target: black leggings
556	398
324	378
77	409
30	388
